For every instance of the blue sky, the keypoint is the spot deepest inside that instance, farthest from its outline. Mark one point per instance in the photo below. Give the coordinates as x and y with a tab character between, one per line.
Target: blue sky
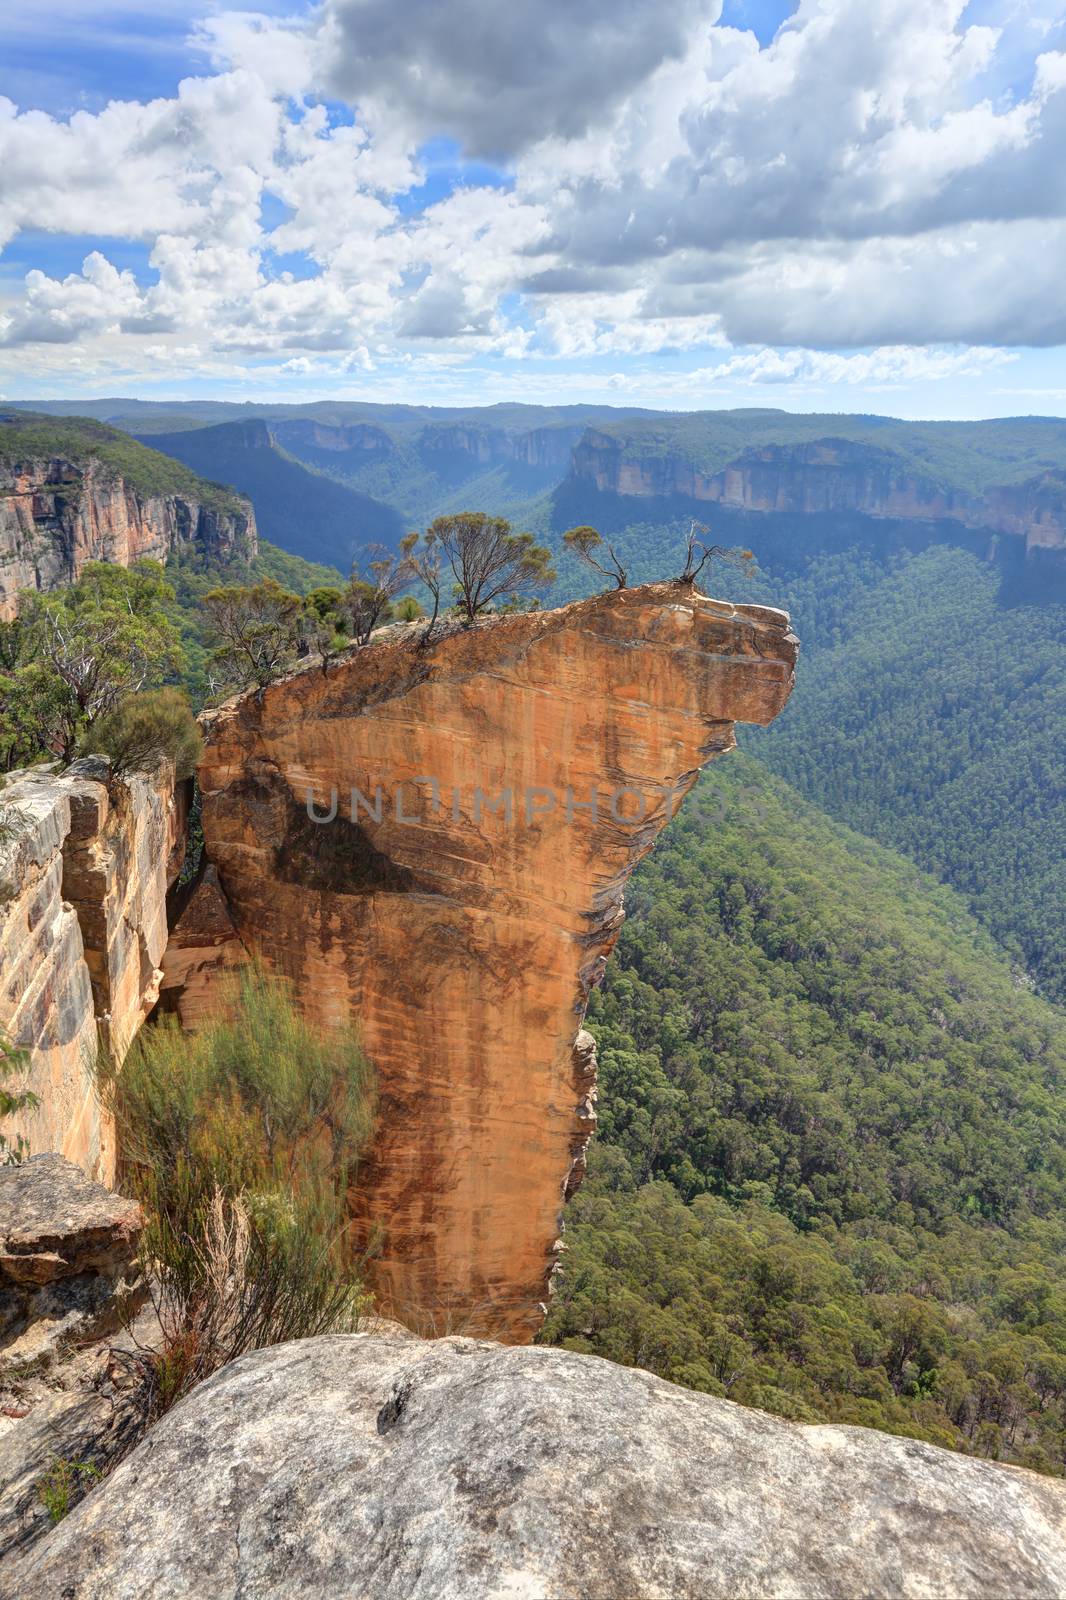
819	205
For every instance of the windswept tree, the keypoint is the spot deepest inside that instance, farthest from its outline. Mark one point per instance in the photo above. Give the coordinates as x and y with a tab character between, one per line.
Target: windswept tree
108	636
590	548
425	563
488	559
699	555
254	631
372	587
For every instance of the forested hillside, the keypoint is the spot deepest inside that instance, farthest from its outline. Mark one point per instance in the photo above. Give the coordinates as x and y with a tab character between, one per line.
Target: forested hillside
829	1177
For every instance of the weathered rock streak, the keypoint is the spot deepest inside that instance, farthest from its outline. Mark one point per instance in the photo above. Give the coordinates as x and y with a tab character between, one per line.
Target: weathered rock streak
56	515
462	934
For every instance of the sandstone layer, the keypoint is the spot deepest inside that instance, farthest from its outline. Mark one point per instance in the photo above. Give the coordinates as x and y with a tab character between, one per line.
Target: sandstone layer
69	1282
830	475
83	887
465	895
56	515
378	1467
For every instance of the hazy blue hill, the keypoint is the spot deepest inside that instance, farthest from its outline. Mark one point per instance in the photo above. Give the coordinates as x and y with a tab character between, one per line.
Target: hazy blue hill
298	509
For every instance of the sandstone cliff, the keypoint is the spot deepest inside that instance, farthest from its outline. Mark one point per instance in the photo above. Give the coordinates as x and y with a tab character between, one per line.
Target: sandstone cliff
56	514
830	475
83	885
393	1469
464	897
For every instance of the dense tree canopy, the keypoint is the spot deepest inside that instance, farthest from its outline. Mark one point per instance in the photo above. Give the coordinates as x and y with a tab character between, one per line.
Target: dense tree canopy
829	1178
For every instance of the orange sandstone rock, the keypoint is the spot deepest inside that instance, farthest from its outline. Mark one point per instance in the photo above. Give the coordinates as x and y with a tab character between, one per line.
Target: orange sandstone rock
463	900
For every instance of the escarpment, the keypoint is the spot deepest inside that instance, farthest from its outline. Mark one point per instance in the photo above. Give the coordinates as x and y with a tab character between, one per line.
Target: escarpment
83	884
433	842
827	476
56	514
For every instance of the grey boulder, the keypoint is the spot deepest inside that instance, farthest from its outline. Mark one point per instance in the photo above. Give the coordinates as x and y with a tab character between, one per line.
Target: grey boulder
370	1466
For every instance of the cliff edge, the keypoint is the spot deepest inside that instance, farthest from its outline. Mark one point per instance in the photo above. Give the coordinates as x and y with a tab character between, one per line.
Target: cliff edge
433	842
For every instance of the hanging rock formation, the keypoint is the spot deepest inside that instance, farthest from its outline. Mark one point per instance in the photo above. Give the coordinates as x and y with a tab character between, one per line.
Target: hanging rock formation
492	794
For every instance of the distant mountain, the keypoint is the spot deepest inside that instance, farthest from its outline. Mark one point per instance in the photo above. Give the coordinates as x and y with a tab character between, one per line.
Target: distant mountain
302	510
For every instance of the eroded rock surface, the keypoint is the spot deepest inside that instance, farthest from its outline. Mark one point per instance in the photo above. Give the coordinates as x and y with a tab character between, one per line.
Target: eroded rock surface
69	1284
377	1467
465	895
56	515
83	886
56	1223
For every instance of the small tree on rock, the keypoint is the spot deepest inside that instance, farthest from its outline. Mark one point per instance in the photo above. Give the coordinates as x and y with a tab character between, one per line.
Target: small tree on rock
370	592
255	631
698	555
425	562
488	559
589	547
324	625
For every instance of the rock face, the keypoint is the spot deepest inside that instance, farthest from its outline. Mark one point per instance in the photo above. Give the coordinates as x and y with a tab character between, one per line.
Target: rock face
83	885
55	515
830	475
464	898
383	1467
67	1281
57	1223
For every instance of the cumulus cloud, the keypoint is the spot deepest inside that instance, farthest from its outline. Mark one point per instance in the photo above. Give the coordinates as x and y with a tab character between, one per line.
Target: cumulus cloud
499	77
884	175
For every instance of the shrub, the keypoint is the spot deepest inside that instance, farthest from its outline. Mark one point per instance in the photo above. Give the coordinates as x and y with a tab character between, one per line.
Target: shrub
258	1103
145	729
241	1142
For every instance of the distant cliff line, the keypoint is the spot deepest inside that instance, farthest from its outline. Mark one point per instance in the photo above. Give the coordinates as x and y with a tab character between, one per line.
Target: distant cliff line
72	492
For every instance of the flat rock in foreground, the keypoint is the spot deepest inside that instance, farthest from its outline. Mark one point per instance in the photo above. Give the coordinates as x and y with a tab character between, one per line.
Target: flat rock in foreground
372	1466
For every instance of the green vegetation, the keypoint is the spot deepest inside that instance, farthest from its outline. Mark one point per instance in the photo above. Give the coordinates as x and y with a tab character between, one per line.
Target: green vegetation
829	1178
930	716
74	655
241	1141
26	436
145	729
64	1484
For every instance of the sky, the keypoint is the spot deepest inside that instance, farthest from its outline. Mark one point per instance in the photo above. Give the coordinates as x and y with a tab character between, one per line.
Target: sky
820	205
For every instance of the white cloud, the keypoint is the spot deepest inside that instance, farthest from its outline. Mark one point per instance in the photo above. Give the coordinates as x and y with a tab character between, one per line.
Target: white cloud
867	179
